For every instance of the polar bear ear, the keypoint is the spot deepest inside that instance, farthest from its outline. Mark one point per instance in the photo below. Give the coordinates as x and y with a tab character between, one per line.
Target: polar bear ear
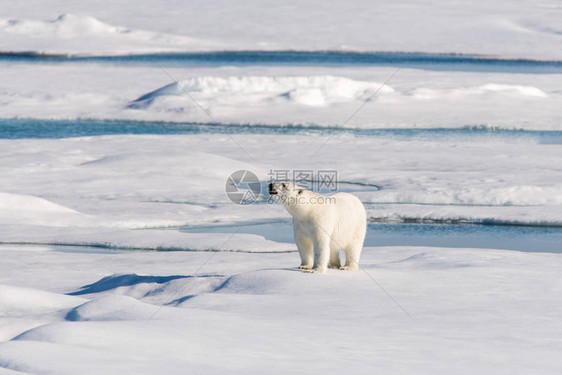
300	191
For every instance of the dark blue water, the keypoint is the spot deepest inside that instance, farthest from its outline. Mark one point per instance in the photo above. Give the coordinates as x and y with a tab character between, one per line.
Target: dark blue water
454	62
519	238
533	239
34	128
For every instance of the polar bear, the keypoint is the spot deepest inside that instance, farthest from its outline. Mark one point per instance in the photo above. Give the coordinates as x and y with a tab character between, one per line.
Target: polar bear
324	225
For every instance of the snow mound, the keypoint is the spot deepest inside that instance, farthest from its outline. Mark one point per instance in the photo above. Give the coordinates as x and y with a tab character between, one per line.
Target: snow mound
304	90
31	210
66	25
122	280
158	290
5	371
31	203
328	99
17	299
22	309
112	307
81	34
12	327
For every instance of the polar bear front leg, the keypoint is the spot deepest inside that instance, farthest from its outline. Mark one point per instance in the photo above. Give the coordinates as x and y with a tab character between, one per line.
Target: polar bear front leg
321	252
306	251
334	259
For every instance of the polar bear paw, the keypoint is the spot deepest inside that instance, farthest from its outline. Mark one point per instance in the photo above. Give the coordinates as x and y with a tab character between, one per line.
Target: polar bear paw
349	268
316	270
305	267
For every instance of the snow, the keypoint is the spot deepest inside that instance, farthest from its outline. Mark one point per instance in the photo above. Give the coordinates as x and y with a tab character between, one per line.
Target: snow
134	191
279	96
18	202
28	299
71	34
508	29
246	313
123	254
282	95
246	309
312	90
316	100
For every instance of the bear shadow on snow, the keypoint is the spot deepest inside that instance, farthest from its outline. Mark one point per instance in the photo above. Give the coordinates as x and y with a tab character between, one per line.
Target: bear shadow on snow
119	280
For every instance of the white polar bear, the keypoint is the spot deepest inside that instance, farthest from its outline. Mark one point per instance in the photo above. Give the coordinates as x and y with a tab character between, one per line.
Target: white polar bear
324	225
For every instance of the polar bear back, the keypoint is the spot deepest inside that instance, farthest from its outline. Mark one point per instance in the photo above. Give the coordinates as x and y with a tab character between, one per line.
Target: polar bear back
351	223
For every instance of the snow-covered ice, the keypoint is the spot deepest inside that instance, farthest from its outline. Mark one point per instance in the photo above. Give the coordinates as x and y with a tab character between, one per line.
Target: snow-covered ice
108	187
71	34
121	253
474	311
508	29
319	96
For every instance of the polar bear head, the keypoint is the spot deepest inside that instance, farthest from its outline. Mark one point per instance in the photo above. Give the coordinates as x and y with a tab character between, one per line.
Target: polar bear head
297	200
283	191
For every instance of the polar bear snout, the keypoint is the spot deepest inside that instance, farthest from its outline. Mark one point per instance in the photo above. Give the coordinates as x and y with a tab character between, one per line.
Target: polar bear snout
272	190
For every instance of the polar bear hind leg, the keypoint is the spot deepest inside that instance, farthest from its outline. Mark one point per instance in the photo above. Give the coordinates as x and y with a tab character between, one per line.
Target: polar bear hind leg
352	254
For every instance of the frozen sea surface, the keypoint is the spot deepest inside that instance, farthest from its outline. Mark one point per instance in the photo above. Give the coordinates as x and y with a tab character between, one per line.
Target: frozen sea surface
517	29
282	95
471	310
104	160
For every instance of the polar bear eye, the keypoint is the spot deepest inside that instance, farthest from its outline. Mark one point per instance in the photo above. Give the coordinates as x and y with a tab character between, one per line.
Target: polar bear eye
300	191
284	185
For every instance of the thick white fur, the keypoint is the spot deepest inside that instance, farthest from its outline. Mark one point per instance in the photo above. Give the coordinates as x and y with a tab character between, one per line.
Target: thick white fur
323	226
